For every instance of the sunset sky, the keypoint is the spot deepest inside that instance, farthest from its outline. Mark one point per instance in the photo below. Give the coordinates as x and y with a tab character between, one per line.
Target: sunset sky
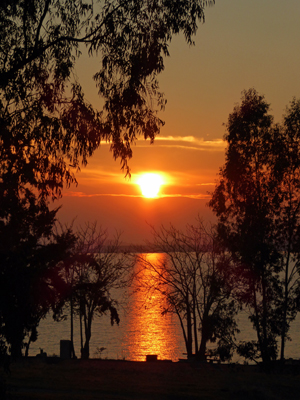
243	44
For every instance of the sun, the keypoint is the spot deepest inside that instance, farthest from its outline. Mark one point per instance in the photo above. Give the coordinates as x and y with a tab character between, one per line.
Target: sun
150	184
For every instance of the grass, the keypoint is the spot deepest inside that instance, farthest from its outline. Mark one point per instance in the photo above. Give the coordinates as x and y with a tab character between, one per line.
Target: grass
105	379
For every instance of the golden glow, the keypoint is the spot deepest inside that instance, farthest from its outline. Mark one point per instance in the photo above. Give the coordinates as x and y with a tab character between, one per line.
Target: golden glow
150	332
150	184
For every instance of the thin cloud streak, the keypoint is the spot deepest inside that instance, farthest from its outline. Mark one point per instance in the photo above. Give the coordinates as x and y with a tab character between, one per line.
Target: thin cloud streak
95	173
190	196
205	184
81	194
199	143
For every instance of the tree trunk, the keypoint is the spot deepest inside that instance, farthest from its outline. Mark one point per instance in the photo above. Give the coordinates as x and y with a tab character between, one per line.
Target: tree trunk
85	354
81	335
27	347
72	329
258	333
15	338
285	306
195	323
189	329
87	319
202	349
265	351
182	328
16	349
82	315
204	338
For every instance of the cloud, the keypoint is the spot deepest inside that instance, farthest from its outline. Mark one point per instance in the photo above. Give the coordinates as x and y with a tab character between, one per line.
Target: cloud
82	194
86	195
96	172
187	142
178	138
205	184
189	196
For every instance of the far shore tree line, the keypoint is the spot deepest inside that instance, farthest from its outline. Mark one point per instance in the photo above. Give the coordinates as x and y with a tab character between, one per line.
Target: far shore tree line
249	260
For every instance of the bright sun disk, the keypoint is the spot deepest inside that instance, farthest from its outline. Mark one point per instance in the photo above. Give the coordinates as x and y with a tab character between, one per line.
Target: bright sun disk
150	184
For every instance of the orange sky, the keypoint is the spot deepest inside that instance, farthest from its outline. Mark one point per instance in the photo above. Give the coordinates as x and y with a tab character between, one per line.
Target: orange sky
243	44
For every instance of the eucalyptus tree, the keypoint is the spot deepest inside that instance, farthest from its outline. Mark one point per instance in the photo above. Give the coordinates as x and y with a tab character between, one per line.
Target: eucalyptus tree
30	282
45	120
47	128
191	276
257	204
287	171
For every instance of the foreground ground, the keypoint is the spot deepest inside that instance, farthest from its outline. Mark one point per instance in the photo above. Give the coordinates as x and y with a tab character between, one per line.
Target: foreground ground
102	379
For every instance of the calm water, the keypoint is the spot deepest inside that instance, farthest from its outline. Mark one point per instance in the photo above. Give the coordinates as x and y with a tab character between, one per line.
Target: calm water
142	330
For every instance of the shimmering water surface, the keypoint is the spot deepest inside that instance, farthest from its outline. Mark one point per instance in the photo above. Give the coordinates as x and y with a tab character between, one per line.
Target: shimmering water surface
142	330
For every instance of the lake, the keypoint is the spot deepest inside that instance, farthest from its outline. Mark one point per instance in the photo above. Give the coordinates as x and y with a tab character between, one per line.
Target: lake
142	330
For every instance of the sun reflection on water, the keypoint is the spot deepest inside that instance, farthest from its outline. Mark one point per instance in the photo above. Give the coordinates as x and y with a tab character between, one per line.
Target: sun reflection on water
150	332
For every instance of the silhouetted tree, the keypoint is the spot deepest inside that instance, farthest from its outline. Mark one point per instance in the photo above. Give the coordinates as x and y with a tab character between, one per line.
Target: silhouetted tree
47	128
287	172
30	284
256	201
97	268
45	121
192	278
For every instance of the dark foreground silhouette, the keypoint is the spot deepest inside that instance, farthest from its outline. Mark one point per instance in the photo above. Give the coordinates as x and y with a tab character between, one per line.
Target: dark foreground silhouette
92	379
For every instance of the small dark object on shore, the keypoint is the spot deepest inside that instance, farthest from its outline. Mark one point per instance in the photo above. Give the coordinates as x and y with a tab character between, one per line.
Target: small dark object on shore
41	354
151	357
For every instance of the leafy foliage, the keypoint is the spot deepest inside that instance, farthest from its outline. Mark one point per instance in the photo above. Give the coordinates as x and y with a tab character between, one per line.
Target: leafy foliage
30	282
45	119
257	203
48	129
